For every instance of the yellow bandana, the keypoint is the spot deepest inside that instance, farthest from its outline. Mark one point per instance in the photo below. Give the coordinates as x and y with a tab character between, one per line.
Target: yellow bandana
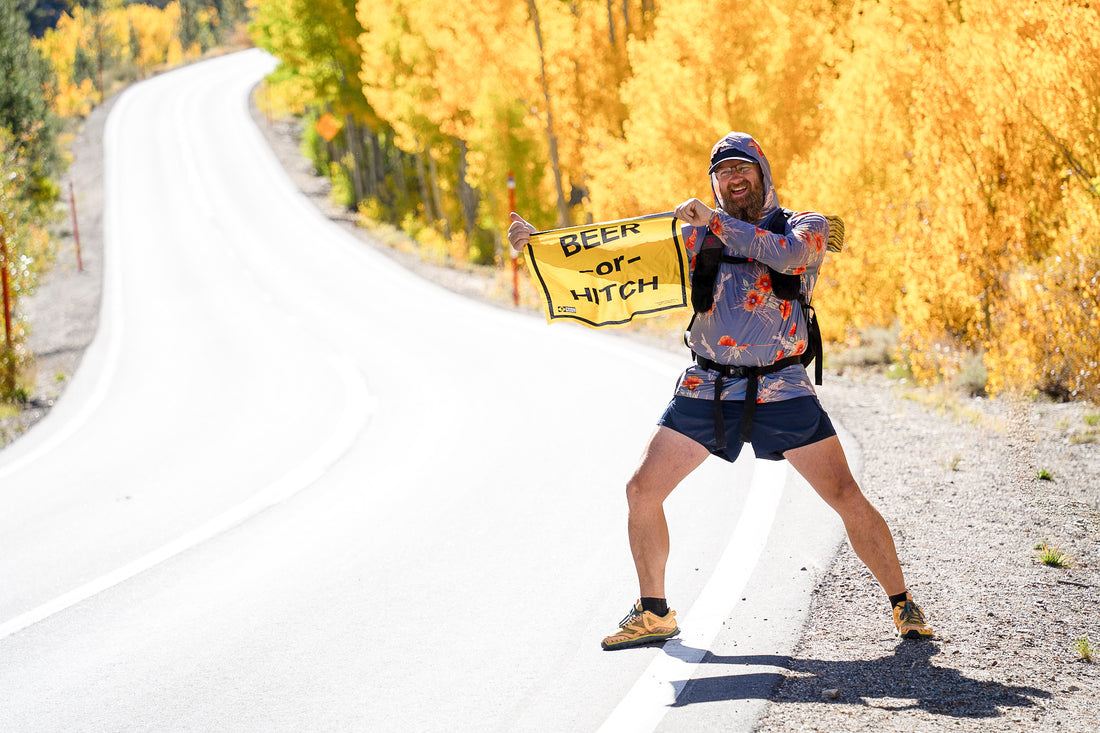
607	274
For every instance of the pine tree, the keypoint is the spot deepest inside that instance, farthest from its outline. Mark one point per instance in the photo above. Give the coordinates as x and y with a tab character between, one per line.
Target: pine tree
25	105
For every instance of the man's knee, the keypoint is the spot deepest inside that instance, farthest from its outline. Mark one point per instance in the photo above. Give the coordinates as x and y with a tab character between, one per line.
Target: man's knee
667	459
642	491
844	495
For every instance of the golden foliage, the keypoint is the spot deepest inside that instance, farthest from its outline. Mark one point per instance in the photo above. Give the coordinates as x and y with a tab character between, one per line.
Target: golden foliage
960	142
121	43
960	150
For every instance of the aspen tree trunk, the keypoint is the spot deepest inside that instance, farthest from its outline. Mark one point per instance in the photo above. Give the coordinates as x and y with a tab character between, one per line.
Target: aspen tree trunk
369	144
422	179
467	194
332	153
552	139
378	166
401	184
355	147
437	196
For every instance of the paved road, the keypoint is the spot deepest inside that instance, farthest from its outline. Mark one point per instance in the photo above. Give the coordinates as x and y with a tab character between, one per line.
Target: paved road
295	488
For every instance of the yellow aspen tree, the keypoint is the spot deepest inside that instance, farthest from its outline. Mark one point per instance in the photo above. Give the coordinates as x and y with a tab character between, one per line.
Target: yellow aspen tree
962	168
586	62
65	46
492	98
994	166
548	114
1047	68
961	139
397	68
692	81
72	43
448	81
153	30
857	169
703	69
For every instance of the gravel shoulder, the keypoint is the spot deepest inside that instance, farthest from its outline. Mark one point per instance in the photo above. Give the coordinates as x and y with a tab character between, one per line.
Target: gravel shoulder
955	478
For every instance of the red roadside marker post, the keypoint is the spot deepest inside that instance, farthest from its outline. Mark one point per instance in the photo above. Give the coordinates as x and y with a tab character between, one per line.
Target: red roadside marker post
76	229
515	255
4	281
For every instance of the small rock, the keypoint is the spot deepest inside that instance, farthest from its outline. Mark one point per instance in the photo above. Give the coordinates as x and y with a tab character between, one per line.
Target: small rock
830	694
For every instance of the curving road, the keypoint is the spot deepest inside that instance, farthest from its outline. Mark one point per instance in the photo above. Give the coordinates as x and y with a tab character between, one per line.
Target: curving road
295	488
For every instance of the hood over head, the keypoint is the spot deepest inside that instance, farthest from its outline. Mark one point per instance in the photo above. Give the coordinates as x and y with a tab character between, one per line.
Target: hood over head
742	146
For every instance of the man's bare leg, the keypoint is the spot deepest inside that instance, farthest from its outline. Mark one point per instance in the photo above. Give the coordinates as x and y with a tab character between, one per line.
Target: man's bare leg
825	468
668	458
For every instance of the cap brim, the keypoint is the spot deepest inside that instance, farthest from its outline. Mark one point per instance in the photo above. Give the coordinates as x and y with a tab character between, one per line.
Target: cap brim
731	155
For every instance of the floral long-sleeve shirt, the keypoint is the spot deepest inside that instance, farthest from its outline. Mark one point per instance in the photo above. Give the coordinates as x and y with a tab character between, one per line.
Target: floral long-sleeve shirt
749	325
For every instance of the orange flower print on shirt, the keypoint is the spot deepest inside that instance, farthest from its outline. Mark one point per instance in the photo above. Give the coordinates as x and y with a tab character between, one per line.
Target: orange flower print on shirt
800	347
760	233
817	239
716	225
785	309
728	341
690	242
764	283
753	299
794	327
692	382
798	270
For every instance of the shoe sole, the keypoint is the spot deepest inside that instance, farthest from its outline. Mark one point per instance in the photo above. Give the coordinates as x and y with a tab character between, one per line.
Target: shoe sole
640	641
915	635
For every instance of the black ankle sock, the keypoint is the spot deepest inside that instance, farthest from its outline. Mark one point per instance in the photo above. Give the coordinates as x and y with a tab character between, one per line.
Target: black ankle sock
899	598
658	606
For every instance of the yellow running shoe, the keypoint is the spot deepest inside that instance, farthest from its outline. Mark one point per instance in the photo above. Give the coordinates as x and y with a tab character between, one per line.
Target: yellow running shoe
910	620
642	627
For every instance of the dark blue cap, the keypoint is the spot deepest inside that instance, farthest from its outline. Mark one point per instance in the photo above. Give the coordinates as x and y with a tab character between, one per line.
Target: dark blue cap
729	154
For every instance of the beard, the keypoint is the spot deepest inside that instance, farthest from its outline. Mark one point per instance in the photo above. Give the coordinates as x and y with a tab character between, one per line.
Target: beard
748	208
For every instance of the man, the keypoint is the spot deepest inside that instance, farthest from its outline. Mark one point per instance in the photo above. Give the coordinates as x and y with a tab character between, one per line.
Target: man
747	343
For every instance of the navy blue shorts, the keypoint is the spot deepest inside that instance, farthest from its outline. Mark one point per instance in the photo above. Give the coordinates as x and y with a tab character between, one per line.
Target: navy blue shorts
777	427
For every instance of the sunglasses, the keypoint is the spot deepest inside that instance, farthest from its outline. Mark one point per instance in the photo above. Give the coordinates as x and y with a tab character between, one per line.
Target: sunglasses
742	170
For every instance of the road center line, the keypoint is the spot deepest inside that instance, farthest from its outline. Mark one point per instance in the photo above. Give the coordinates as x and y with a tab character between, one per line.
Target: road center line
666	676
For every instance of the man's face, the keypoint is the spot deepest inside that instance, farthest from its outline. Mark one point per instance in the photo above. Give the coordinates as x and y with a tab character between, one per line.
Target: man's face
740	189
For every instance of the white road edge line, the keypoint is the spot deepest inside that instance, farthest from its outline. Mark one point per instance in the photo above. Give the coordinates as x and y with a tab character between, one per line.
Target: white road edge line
357	408
109	330
666	676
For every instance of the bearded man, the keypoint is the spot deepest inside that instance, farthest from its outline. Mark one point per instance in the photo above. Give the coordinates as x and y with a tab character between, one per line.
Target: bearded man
753	267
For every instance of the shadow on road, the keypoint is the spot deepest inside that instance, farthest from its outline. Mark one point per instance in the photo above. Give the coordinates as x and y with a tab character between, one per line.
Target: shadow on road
904	680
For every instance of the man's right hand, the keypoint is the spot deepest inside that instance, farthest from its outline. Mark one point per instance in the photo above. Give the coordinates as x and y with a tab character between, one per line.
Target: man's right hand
519	233
694	212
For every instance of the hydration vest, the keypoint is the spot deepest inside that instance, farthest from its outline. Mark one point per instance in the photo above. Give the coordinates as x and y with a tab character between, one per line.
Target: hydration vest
704	278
